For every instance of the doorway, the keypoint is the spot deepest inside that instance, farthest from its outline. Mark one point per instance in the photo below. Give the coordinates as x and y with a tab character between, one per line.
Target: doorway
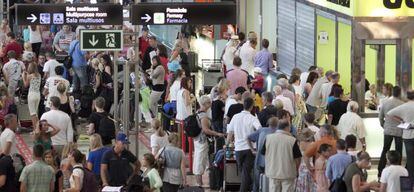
380	68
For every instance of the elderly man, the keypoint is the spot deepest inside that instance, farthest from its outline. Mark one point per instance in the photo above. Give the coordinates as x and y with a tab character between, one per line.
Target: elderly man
283	157
352	123
287	104
284	84
8	137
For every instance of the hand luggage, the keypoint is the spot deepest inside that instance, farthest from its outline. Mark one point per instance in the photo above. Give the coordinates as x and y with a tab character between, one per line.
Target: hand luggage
191	189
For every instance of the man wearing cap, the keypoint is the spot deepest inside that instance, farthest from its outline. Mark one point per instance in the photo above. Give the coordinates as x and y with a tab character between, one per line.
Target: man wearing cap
116	163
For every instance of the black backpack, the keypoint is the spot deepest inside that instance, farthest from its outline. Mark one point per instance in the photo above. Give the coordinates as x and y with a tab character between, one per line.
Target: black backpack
192	125
89	183
338	184
106	128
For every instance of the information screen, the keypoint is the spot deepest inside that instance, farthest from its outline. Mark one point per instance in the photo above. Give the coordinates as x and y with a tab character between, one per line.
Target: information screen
70	14
183	13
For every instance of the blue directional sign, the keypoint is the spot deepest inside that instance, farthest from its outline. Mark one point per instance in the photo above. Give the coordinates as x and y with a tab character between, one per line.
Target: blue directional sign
101	40
184	13
70	14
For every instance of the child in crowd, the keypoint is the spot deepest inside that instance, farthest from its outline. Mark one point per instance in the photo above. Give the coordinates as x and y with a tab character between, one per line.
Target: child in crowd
148	163
322	183
310	124
258	81
159	139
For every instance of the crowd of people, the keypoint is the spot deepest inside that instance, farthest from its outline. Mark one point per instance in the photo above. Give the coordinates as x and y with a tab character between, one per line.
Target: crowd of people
304	135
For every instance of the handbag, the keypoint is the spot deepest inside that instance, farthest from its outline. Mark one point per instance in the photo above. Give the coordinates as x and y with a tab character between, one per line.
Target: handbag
160	163
69	60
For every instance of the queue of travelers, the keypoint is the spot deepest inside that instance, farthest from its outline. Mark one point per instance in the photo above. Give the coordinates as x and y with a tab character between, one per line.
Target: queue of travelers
304	135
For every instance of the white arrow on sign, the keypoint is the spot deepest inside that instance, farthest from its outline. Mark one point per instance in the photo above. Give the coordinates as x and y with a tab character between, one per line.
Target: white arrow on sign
146	18
33	18
93	42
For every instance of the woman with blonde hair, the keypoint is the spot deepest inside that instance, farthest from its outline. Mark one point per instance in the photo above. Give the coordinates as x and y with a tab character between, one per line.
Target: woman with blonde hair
159	139
174	174
67	102
28	54
97	150
32	79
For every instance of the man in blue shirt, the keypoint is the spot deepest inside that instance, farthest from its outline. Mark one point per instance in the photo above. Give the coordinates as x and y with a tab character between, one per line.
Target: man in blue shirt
259	138
79	64
339	162
264	58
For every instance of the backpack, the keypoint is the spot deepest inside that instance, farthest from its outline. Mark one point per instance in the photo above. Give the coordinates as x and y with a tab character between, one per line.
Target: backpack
338	184
89	183
106	127
192	125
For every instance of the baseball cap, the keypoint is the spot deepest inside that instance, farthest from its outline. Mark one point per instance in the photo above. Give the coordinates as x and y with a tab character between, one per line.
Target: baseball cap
257	70
123	138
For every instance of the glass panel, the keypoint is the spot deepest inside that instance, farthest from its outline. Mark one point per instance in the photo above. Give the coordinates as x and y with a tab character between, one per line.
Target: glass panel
390	63
325	45
371	57
344	55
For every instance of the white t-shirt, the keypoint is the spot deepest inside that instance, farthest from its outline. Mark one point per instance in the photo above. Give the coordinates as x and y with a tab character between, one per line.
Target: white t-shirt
325	92
230	101
351	123
35	36
50	66
242	125
158	142
175	87
52	84
247	55
62	121
8	136
76	172
391	176
303	78
14	69
287	103
316	130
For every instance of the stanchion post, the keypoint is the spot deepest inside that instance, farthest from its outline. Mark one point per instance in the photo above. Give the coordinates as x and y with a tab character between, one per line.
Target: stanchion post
116	88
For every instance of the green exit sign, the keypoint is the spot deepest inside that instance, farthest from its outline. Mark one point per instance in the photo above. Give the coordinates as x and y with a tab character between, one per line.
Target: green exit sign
101	40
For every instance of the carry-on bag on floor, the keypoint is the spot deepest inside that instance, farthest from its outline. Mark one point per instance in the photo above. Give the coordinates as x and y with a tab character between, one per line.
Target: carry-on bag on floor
264	183
232	176
191	189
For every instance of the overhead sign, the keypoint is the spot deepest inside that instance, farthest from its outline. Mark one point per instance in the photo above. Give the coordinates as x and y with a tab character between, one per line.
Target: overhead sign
183	13
369	8
70	14
343	6
101	40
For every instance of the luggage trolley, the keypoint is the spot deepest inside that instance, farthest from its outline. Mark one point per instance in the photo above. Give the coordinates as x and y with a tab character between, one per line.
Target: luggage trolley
232	175
211	69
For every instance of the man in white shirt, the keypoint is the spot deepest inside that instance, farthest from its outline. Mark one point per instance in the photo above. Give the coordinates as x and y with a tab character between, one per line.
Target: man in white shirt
8	137
12	72
390	177
50	65
327	88
241	126
287	103
52	83
247	55
60	120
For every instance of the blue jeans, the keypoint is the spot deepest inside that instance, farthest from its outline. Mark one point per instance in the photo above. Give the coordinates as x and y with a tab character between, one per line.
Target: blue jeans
80	77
